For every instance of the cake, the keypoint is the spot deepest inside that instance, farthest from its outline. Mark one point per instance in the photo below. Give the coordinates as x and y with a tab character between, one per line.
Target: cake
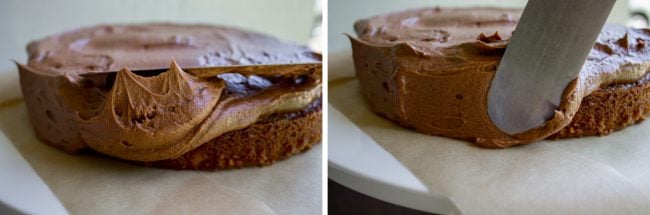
430	69
101	89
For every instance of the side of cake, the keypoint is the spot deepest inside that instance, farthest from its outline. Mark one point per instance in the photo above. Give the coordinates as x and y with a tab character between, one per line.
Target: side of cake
430	69
76	103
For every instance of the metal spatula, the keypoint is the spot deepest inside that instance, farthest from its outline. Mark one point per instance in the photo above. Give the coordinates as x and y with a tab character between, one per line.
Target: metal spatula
262	69
546	52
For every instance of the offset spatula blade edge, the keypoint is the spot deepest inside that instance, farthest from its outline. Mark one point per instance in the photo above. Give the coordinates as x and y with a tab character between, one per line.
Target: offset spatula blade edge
258	69
546	52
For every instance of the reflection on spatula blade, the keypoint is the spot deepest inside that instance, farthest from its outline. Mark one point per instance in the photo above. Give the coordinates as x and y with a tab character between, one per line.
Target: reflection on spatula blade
546	52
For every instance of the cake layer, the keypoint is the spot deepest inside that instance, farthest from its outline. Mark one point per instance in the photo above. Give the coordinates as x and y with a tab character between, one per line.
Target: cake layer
430	69
609	109
270	139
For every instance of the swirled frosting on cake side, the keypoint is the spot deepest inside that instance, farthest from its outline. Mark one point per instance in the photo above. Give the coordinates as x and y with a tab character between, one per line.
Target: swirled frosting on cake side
430	69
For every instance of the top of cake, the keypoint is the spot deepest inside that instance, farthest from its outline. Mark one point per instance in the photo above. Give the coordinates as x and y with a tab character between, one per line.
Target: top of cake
151	46
435	27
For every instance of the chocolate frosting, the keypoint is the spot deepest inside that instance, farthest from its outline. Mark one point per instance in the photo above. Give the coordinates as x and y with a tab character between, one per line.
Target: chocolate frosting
151	46
148	117
431	68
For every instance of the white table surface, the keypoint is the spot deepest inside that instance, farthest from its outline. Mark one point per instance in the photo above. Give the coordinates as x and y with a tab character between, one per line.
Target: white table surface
357	162
21	189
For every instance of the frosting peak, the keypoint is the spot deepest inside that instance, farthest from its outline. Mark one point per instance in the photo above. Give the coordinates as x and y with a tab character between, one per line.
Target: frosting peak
150	114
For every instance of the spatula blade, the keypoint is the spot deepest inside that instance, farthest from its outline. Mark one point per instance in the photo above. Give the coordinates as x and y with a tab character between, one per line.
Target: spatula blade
258	69
546	52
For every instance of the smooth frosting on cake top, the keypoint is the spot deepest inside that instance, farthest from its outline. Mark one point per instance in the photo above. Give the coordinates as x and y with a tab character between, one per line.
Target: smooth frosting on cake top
428	29
148	46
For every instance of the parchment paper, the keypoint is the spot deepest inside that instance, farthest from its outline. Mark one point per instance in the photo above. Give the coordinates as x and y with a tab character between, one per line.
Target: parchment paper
92	184
590	175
